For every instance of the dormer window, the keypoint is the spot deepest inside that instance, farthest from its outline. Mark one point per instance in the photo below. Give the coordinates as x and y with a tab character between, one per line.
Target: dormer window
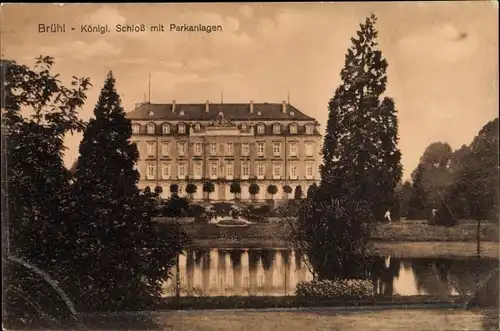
181	113
276	128
150	128
166	128
292	113
243	126
309	129
293	128
181	128
135	128
151	113
261	129
259	113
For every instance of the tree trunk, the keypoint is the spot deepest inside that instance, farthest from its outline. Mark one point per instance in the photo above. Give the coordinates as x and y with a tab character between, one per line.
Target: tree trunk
177	272
478	238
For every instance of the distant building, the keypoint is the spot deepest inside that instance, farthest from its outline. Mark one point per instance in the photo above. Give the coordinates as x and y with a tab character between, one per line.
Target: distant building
262	143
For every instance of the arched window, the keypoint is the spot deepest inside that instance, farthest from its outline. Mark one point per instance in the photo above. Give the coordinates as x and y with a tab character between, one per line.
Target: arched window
309	129
135	128
243	126
150	128
166	128
293	128
181	128
277	128
261	129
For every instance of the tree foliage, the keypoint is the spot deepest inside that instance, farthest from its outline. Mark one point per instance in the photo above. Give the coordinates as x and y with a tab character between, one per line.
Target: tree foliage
272	189
477	179
432	177
191	189
38	182
459	185
253	189
311	191
122	256
360	154
361	165
235	188
333	235
37	111
208	187
174	189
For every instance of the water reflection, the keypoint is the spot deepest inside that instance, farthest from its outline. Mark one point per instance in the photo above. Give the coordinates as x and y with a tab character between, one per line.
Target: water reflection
276	272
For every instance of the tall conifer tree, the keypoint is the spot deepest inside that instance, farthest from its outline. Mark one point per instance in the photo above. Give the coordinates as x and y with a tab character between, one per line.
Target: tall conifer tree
360	153
123	256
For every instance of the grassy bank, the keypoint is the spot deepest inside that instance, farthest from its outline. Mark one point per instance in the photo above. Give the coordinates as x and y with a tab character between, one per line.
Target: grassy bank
259	302
396	249
405	231
389	319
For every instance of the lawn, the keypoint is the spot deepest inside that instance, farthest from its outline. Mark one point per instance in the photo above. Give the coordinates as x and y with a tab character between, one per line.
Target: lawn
404	231
314	319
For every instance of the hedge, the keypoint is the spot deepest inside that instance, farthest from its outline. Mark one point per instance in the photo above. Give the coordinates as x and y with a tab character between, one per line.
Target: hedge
331	289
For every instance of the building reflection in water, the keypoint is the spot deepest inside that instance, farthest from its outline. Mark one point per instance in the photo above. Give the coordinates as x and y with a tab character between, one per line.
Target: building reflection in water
276	272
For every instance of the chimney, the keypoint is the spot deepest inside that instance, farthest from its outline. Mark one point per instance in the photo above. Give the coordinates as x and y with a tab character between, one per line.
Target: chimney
173	106
206	106
251	107
284	106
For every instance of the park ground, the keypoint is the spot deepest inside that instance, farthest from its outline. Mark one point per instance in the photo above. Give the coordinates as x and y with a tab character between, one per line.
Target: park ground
311	319
402	239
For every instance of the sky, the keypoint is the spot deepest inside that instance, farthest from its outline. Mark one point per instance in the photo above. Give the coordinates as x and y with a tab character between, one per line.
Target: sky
442	74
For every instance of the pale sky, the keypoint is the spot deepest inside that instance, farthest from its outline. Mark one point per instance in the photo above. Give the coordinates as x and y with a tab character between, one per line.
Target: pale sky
443	57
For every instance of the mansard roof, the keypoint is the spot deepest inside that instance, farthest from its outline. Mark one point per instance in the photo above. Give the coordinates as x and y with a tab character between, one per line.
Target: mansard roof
233	111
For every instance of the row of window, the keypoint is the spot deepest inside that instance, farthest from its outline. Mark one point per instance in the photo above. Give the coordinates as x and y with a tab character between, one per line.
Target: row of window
226	170
261	128
228	149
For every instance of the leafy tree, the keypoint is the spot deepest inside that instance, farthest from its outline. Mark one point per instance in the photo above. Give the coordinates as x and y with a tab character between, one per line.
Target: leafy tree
298	193
361	159
433	176
174	189
444	214
478	179
287	189
404	193
208	187
235	189
417	199
361	164
457	198
191	190
311	191
272	189
37	111
123	257
333	235
158	190
253	189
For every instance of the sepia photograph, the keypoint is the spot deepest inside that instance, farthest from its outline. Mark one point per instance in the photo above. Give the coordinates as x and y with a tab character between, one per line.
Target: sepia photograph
250	166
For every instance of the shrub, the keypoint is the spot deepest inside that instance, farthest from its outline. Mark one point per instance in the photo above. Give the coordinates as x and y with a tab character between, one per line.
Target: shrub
174	189
263	210
191	189
195	210
222	208
331	289
253	189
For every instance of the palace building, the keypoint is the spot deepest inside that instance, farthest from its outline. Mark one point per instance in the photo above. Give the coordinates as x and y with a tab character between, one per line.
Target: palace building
262	143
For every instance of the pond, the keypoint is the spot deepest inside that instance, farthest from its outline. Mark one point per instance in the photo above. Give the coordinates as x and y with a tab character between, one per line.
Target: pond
276	272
